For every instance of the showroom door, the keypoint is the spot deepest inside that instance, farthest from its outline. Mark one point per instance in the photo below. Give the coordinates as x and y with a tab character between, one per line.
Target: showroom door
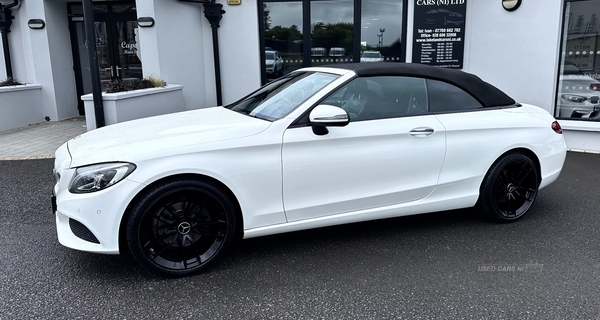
117	45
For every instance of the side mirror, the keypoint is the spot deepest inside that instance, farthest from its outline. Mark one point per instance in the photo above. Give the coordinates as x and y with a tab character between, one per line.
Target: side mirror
323	116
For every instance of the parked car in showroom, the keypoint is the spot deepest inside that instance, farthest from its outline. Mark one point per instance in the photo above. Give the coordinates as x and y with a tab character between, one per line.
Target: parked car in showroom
337	52
371	56
274	63
318	147
578	94
318	52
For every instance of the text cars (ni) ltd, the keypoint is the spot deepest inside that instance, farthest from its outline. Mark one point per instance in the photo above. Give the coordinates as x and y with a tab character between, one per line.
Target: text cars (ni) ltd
318	147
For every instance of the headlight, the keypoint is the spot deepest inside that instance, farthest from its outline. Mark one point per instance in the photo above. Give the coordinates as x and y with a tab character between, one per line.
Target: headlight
573	98
99	176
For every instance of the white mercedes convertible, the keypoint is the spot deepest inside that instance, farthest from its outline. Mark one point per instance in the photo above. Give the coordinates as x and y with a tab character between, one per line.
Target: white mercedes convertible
318	147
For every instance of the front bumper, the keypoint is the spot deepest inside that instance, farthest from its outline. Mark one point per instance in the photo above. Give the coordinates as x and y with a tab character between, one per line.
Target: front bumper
89	222
583	110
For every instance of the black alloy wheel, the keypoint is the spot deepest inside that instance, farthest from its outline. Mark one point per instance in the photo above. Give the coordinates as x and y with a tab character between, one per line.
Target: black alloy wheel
510	188
181	227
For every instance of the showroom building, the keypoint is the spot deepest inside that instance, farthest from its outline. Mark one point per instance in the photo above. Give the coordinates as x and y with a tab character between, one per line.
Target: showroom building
542	52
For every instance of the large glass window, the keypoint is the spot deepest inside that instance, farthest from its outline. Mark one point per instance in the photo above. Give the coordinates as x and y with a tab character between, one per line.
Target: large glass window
332	32
381	32
323	32
283	37
578	94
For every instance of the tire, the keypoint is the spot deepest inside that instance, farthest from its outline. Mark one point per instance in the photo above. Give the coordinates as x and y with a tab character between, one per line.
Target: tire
510	188
280	72
181	227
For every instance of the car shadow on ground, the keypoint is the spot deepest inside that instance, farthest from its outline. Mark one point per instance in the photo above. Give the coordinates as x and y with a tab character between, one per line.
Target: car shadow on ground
362	236
289	246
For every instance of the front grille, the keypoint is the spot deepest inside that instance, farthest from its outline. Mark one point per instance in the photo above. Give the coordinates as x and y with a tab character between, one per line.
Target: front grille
82	231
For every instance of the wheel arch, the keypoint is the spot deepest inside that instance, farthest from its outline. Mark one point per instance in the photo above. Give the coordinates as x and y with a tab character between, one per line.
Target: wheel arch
508	213
528	152
193	176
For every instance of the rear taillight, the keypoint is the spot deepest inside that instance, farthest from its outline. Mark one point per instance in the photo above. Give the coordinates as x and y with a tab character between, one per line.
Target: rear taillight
595	86
556	127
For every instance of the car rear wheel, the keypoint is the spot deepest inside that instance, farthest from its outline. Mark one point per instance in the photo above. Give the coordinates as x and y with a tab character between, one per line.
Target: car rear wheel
510	187
181	227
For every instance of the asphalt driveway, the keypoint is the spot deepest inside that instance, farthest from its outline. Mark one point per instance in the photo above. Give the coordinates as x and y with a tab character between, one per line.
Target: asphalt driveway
442	265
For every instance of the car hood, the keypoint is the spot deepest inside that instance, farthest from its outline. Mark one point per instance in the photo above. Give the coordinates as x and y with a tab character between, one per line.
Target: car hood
131	140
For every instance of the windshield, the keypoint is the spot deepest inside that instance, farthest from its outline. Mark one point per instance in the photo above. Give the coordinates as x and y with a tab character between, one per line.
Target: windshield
280	97
270	55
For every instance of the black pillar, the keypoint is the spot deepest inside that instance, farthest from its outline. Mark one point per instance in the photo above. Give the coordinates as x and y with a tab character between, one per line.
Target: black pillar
90	43
213	13
5	22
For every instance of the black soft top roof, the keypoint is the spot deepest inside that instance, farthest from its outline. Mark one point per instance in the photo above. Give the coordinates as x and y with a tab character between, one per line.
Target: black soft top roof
487	94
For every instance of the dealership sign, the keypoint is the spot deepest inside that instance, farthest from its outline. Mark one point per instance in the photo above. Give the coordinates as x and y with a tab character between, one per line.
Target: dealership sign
439	32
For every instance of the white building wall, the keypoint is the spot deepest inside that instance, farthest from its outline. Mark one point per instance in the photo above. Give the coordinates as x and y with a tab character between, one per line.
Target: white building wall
63	89
173	48
21	60
240	51
44	56
513	51
179	50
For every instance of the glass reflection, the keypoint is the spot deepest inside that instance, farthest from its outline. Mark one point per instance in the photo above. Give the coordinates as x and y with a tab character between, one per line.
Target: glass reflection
332	37
332	24
381	30
578	95
283	37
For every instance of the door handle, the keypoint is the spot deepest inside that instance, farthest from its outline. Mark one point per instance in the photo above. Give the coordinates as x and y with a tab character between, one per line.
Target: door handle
118	69
420	132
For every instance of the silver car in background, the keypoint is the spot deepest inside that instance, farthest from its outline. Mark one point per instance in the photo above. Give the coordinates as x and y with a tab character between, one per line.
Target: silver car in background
371	56
274	63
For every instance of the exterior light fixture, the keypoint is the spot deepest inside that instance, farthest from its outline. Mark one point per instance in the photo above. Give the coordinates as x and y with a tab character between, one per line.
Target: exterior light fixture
145	22
511	5
36	23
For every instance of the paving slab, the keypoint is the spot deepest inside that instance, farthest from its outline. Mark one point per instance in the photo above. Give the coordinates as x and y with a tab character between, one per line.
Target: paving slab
40	140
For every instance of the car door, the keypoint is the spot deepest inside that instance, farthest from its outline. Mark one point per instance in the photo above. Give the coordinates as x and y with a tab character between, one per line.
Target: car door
391	151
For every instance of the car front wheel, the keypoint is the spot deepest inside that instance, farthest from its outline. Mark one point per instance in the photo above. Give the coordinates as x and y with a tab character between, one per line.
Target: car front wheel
509	188
180	227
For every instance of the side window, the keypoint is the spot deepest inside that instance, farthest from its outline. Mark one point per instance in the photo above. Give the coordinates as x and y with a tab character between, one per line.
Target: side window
375	98
444	97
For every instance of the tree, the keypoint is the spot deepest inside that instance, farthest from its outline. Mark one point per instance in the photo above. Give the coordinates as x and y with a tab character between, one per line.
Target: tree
333	35
284	33
392	51
267	15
